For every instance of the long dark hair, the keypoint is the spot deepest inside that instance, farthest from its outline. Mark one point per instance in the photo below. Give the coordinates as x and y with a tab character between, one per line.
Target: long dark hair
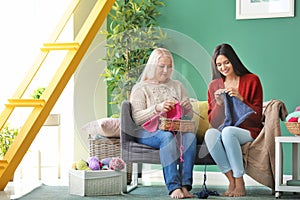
226	50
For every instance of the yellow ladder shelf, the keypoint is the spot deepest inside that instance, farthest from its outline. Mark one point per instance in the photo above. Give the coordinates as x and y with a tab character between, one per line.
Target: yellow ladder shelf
42	107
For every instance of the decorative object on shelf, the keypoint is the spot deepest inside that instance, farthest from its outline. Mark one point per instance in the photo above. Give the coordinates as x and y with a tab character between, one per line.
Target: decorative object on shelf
293	121
264	9
293	127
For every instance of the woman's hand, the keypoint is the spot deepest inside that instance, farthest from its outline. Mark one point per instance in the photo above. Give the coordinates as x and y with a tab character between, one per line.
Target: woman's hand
218	97
186	105
234	92
165	106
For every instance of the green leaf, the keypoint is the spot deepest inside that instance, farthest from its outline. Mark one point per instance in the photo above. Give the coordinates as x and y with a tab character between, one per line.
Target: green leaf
7	136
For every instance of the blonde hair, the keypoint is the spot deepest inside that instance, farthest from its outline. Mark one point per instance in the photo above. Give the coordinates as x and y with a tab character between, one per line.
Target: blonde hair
149	70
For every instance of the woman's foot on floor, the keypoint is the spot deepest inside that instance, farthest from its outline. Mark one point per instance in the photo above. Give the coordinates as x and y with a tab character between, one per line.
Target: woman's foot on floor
186	193
177	194
238	192
230	189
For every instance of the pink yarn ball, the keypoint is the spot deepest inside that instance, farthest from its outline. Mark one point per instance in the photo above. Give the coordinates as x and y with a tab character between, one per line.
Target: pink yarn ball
116	164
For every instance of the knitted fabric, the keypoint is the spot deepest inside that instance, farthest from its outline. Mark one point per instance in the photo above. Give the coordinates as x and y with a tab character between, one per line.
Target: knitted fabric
236	111
145	96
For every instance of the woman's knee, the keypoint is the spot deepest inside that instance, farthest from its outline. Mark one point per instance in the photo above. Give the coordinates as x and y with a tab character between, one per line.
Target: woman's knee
189	140
228	132
211	135
231	133
166	138
190	137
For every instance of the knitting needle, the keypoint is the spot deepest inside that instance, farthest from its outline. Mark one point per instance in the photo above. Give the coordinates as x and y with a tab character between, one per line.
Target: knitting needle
192	109
198	115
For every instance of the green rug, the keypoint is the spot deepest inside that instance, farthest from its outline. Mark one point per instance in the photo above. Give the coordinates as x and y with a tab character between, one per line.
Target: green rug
46	192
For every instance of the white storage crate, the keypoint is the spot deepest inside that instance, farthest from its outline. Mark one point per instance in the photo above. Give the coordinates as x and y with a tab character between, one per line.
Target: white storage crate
94	183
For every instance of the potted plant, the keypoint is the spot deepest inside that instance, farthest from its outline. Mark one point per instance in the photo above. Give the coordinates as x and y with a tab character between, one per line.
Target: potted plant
52	119
38	93
132	34
7	136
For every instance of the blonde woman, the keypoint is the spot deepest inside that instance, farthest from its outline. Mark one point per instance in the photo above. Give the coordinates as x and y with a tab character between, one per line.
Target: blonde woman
156	92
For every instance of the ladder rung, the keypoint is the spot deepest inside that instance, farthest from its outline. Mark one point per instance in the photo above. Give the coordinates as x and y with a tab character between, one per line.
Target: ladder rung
25	102
60	46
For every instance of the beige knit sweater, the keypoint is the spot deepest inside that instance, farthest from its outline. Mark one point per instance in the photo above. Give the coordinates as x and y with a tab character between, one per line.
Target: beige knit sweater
145	96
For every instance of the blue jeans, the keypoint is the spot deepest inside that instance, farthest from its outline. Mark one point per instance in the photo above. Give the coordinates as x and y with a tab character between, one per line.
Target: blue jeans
169	145
225	148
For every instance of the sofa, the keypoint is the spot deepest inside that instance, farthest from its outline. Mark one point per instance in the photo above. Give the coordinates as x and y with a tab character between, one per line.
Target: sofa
259	156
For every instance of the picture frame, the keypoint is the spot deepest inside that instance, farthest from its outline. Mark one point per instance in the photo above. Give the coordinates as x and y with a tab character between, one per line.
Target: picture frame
255	9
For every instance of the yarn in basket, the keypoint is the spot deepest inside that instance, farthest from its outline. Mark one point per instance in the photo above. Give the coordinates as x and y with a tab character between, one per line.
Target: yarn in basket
116	164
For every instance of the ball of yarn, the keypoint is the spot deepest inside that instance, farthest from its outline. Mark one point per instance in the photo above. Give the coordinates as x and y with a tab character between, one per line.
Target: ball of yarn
93	163
116	164
82	165
293	119
105	161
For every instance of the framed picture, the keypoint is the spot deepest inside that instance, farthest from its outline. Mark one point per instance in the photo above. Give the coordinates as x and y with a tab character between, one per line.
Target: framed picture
253	9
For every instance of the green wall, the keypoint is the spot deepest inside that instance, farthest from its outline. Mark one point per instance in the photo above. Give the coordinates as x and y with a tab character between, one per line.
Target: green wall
268	47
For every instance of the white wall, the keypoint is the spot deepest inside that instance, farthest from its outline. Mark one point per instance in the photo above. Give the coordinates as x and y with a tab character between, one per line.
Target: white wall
90	100
25	26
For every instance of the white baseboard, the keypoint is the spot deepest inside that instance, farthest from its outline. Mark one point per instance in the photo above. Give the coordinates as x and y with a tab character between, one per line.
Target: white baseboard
155	177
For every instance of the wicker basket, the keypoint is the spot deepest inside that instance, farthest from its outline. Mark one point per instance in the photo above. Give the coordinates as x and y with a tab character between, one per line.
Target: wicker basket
94	183
176	125
108	147
293	127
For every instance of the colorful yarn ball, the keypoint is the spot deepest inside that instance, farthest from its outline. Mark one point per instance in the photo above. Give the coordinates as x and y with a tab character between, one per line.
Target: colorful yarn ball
93	163
116	164
105	161
82	165
293	119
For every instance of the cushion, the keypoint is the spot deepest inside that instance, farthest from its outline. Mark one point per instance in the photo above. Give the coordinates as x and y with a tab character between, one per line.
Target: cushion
202	124
107	127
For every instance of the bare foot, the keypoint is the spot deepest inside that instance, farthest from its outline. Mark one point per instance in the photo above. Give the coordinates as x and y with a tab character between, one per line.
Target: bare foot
177	194
239	192
230	189
231	186
239	189
186	193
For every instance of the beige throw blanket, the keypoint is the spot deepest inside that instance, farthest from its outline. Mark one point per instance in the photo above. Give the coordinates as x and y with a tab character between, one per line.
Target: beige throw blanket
259	155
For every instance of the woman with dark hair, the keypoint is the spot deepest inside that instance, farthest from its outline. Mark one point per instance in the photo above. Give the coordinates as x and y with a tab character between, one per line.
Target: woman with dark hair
233	81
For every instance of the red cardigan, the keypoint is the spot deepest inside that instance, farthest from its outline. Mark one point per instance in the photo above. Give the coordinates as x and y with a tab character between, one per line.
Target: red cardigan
250	89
